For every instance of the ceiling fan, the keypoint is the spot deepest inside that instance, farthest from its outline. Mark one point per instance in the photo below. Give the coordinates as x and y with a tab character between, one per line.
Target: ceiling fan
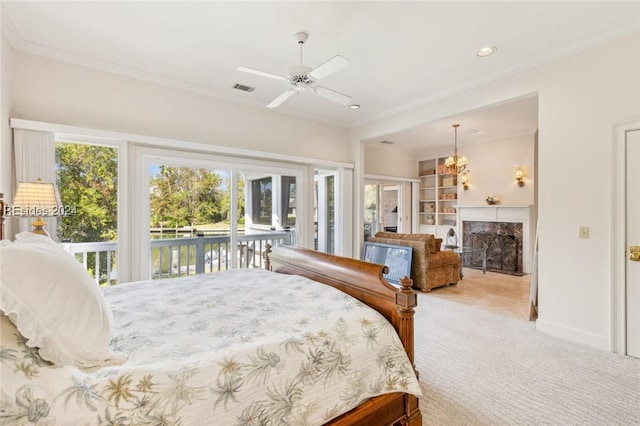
304	78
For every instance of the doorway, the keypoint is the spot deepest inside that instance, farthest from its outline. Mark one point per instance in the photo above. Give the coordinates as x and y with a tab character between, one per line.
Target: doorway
382	208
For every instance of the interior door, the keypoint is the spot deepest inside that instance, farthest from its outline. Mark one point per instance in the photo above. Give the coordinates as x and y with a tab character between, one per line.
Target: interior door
633	242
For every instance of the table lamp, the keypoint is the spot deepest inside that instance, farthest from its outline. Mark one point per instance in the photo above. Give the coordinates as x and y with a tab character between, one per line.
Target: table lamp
37	199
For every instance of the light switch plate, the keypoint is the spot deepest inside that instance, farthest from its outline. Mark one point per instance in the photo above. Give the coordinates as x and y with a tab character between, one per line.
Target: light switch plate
584	232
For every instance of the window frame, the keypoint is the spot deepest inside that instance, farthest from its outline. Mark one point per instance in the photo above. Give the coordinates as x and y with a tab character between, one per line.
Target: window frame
123	227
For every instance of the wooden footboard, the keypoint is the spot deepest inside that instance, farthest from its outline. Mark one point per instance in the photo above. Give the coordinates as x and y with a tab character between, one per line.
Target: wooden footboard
365	282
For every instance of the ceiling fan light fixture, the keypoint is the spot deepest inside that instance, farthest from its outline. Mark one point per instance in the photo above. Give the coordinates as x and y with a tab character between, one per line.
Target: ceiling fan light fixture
486	51
302	77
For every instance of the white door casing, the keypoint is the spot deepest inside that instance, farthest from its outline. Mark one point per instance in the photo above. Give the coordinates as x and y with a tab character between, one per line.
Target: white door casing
625	274
632	239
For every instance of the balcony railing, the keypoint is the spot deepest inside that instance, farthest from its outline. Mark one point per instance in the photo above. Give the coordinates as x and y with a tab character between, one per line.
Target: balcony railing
175	257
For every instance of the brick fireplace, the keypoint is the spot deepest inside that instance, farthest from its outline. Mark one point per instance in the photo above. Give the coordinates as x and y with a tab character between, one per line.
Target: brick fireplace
504	231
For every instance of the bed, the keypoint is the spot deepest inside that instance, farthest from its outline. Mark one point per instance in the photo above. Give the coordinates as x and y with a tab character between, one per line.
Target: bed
196	350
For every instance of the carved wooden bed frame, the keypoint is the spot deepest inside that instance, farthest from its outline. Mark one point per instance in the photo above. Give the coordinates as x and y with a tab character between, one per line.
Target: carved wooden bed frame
363	281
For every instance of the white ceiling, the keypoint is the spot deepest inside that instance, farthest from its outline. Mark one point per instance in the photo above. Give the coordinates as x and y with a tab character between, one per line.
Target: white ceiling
401	53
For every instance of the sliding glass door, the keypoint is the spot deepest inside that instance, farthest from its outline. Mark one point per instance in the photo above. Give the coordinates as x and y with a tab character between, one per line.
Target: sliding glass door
325	210
206	213
189	220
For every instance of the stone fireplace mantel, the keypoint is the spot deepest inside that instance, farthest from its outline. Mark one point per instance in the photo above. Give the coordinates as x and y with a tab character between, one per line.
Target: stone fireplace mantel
504	214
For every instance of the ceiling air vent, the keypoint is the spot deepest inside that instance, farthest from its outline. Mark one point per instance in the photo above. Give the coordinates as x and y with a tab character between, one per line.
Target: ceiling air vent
387	142
243	87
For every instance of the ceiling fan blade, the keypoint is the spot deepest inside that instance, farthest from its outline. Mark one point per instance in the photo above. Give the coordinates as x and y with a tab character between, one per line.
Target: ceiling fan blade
334	64
261	73
280	99
338	97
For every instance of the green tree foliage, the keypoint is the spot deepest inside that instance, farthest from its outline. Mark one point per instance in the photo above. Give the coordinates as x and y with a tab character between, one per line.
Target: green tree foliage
88	182
184	196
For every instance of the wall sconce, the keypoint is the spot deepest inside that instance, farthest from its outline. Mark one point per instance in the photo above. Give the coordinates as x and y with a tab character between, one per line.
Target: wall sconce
519	177
464	180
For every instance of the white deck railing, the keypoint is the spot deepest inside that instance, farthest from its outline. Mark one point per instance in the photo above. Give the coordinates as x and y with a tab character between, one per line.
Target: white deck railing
174	257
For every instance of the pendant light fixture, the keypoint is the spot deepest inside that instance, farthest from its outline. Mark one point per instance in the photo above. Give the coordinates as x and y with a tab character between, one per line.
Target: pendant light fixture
454	164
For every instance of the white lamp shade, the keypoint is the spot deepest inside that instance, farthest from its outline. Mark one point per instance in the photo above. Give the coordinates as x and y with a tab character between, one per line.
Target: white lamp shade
37	199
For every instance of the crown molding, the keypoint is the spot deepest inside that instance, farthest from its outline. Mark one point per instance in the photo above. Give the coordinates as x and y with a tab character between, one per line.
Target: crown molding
9	30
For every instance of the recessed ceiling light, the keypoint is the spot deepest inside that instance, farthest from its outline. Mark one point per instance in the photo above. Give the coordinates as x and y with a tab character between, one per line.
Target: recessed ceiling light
354	106
486	51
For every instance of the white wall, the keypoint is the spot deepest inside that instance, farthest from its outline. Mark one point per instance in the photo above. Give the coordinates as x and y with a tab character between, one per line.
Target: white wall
53	91
581	97
387	161
6	147
492	168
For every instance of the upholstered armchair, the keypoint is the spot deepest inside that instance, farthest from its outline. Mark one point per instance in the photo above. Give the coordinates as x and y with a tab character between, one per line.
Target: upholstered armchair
430	267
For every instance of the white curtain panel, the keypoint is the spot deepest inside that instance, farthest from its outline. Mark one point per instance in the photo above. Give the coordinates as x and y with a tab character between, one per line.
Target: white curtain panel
35	158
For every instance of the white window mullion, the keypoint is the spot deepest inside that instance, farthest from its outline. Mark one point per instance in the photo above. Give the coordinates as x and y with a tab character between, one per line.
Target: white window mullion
233	217
276	205
344	212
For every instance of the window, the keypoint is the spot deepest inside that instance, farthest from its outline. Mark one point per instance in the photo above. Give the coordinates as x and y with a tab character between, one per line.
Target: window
119	248
288	200
87	179
224	211
187	203
261	207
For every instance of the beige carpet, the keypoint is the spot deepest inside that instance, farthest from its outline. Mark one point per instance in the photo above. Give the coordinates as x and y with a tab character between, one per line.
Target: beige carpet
480	368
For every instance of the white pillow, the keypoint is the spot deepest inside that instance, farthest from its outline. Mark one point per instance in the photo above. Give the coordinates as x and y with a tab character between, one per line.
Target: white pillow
54	303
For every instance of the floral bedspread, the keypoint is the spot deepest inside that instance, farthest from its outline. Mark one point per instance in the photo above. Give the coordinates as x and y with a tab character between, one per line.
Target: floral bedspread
242	347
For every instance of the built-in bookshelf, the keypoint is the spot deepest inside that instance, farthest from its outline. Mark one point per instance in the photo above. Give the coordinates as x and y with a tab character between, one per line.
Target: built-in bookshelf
438	198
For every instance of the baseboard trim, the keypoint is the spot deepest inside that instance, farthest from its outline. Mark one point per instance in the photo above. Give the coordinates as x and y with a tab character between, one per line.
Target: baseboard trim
573	334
